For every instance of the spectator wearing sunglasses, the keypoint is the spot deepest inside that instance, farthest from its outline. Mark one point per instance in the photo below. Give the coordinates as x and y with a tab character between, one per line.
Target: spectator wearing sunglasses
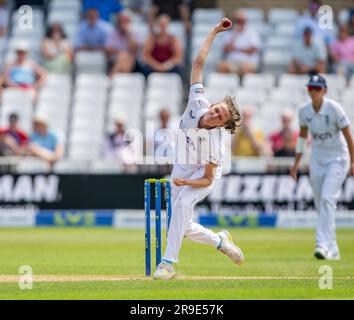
310	55
241	48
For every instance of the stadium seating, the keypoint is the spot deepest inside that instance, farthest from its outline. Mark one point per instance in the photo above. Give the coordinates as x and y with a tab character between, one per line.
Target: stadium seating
122	103
261	81
206	15
276	60
67	13
278	42
218	80
20	102
90	62
284	29
282	15
254	15
83	112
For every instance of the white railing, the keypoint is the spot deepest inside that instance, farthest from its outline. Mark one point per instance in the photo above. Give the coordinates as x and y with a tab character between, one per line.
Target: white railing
34	165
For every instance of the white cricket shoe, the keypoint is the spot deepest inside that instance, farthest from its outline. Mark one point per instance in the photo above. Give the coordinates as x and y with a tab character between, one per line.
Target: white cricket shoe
320	253
229	248
164	271
333	256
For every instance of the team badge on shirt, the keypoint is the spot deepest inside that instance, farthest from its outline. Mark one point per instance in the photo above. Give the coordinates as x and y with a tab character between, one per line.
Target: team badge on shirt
327	120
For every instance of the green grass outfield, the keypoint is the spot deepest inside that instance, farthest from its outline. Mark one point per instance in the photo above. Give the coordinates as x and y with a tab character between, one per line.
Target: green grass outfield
95	263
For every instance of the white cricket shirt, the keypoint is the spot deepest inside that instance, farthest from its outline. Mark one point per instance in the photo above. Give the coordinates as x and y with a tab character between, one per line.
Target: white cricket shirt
328	142
192	141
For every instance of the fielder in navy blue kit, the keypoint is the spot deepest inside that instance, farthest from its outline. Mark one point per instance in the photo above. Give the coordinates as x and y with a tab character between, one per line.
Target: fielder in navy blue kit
332	156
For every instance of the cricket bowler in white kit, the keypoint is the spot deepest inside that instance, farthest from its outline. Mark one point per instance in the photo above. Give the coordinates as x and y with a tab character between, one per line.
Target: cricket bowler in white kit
330	160
193	182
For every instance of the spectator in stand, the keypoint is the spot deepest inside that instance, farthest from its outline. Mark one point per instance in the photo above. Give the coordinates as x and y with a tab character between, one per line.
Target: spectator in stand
250	141
14	131
92	32
283	142
4	15
120	145
342	52
351	22
13	140
8	145
183	12
56	50
162	51
311	20
43	143
117	142
23	73
105	8
161	143
123	45
241	47
309	55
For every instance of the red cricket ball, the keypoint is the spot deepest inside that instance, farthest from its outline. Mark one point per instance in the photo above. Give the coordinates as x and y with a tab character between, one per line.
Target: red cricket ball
226	24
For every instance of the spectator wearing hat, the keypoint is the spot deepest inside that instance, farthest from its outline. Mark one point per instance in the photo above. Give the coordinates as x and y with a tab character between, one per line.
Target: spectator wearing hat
43	143
309	55
92	32
241	47
117	143
283	142
342	52
122	45
120	145
24	73
56	50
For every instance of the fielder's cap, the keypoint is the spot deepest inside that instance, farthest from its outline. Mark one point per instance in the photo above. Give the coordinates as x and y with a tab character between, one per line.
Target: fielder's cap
317	80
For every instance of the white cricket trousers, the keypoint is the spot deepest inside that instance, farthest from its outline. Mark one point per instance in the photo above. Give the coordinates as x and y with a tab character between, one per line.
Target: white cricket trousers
184	199
326	180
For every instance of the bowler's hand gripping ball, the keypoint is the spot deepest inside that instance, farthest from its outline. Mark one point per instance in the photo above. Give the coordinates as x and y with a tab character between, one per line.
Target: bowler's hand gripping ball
227	24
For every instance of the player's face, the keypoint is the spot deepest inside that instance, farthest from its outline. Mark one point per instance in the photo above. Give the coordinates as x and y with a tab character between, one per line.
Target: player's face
40	127
316	93
21	54
217	115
